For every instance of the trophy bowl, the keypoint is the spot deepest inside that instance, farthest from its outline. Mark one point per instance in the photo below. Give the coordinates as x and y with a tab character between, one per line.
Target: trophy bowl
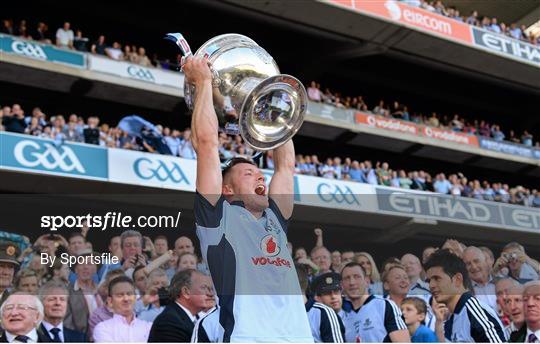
251	97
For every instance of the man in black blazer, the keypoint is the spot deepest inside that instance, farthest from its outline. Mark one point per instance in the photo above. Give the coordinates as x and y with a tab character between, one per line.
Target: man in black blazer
41	337
191	292
54	296
21	315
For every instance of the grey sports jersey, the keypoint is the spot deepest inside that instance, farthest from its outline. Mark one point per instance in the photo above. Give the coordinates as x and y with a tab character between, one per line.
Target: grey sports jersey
473	321
373	322
326	325
253	272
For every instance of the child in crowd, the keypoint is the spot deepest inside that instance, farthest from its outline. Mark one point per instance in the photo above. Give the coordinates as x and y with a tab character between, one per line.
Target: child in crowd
414	312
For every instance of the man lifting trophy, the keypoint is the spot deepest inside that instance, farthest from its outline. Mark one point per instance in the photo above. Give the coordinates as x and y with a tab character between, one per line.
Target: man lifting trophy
241	223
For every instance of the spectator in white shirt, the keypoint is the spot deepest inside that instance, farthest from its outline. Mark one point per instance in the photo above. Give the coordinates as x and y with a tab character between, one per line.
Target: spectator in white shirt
64	36
515	31
494	26
497	134
337	167
414	270
327	170
314	93
478	268
115	52
370	174
186	150
123	326
172	140
442	185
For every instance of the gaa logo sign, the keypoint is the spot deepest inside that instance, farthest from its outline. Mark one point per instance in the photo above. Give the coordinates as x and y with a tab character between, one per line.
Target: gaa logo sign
156	169
31	154
28	49
269	246
334	193
140	73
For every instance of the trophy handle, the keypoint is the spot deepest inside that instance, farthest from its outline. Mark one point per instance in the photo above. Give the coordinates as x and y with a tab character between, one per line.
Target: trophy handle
181	42
185	49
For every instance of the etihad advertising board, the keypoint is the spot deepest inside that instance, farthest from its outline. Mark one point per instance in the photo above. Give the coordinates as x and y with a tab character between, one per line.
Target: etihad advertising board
457	209
445	27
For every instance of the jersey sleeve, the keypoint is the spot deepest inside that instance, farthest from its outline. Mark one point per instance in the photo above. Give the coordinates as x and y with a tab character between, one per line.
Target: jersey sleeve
332	329
206	214
393	320
484	327
275	209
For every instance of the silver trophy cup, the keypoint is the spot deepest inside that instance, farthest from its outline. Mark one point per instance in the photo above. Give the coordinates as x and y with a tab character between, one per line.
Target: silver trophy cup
251	97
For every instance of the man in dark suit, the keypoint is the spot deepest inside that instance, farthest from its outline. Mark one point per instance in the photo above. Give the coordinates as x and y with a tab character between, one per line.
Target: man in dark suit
191	292
54	296
530	332
21	315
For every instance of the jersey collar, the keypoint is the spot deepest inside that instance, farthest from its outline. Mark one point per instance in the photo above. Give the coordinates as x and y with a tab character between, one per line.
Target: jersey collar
309	304
462	300
348	306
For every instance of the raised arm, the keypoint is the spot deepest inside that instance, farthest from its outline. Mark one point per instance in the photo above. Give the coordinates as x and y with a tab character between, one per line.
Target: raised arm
204	128
282	184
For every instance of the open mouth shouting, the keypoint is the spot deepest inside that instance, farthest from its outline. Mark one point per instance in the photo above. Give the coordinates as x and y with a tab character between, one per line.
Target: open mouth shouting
260	189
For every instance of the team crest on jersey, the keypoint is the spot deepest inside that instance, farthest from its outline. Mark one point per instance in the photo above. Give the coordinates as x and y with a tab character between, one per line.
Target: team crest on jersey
269	246
367	324
271	226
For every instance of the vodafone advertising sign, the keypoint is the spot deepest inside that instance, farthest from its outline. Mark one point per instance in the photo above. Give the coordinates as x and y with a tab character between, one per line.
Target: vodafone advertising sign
387	123
396	125
412	16
450	136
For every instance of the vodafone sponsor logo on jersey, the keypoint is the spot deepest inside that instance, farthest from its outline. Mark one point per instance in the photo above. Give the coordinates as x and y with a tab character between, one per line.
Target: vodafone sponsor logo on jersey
451	136
271	261
270	249
386	123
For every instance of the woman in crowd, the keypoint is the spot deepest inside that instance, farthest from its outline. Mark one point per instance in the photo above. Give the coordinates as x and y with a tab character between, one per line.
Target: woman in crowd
373	277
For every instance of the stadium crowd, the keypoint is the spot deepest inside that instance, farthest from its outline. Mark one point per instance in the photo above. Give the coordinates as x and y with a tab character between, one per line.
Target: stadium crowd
67	38
157	293
400	111
178	143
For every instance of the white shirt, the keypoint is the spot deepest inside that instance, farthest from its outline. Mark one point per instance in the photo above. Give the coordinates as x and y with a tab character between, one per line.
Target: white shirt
192	317
115	54
32	336
536	333
486	293
118	330
49	327
528	273
64	37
